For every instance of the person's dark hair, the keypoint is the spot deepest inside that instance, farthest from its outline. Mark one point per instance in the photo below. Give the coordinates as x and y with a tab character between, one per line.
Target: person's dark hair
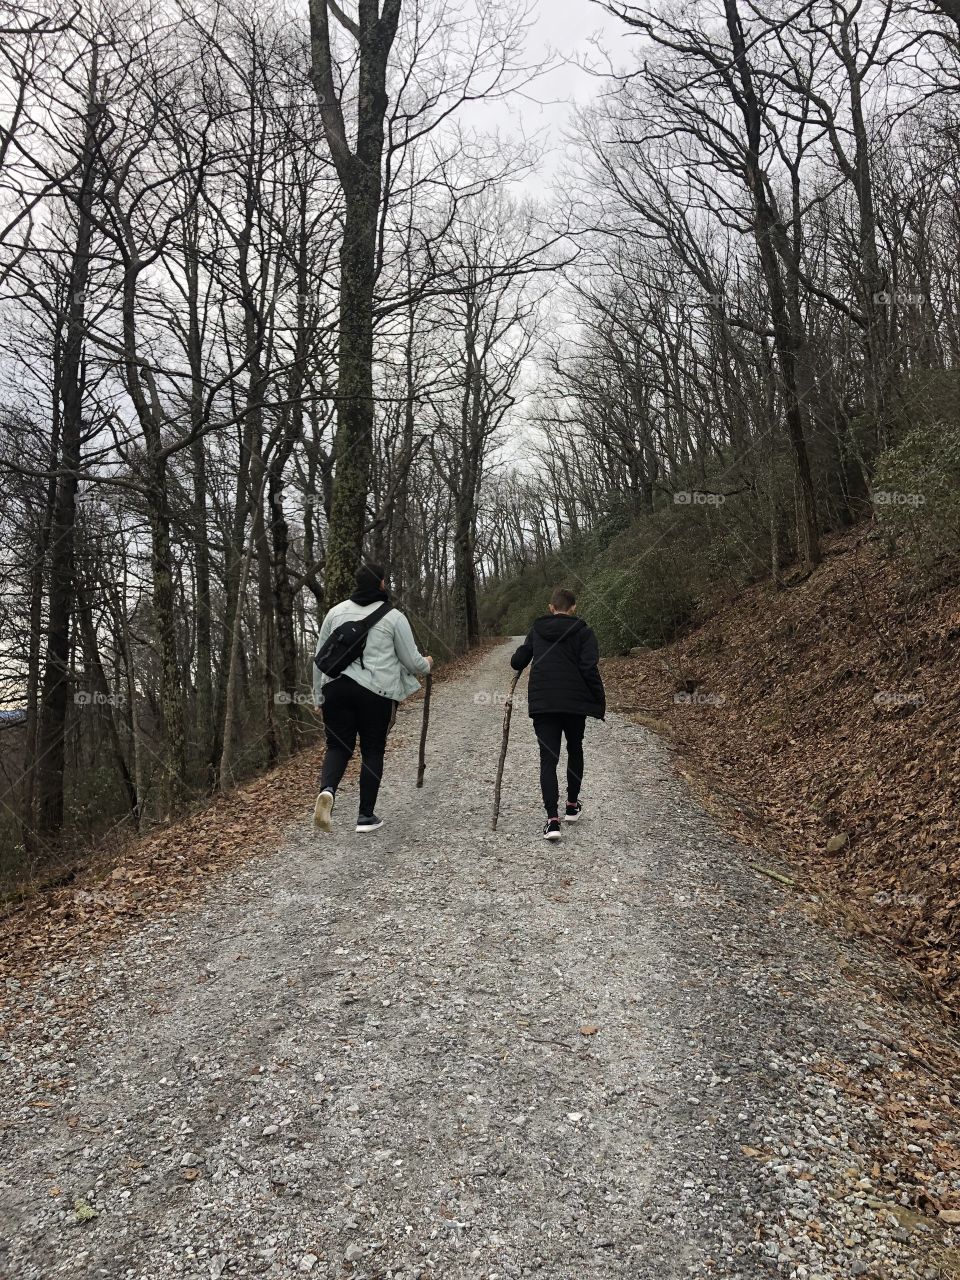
563	599
369	577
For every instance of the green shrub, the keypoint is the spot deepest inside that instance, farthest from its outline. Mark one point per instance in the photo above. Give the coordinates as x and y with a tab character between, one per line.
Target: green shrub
916	495
508	608
927	396
636	605
642	578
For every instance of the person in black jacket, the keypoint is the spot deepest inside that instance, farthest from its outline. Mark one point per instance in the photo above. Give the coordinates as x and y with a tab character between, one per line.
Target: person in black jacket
565	688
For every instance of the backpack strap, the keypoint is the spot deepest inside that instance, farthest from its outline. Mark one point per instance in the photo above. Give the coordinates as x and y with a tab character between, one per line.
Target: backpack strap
372	619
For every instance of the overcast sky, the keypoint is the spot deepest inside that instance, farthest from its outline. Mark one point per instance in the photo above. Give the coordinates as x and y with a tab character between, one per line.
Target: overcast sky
574	32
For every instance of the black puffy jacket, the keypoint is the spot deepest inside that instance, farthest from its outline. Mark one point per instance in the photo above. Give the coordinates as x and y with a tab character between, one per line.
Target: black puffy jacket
564	677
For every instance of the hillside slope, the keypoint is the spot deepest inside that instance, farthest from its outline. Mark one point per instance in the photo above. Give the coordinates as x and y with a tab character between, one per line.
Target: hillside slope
825	719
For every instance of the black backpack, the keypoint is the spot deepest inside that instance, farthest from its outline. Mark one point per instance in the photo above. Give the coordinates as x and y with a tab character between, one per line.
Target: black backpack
345	644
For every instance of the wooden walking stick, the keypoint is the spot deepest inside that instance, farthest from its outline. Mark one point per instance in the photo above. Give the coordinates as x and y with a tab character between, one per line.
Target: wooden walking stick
507	711
422	764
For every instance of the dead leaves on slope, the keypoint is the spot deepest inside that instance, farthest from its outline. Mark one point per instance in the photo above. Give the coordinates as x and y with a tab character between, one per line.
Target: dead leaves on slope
826	720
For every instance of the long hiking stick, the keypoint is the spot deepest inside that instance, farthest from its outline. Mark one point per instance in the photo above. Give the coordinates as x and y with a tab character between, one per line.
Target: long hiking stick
507	712
422	763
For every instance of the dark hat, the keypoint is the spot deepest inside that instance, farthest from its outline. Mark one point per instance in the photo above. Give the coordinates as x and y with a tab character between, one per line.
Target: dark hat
369	577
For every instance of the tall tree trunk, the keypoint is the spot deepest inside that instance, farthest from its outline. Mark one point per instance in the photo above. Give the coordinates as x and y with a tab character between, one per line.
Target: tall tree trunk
204	730
283	604
37	583
788	338
173	747
361	180
234	662
292	432
233	566
56	679
353	448
143	393
101	686
465	608
876	335
265	602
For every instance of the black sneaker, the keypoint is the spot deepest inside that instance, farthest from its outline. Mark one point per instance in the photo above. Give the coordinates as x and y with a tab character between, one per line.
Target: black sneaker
551	829
369	822
574	810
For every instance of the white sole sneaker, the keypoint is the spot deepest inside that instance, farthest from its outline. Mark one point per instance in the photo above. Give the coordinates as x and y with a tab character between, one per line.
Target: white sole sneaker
572	817
322	811
370	826
551	835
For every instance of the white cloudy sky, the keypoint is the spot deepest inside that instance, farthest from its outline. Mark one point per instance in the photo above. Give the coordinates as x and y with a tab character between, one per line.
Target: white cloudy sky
570	33
574	35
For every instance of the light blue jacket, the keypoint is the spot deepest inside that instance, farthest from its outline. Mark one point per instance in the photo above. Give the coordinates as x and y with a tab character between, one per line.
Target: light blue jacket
390	659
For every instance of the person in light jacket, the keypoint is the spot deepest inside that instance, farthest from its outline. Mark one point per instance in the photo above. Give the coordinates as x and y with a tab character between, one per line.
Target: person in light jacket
361	701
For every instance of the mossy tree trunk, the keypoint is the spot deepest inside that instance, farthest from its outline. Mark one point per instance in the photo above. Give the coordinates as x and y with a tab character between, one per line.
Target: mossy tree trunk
359	169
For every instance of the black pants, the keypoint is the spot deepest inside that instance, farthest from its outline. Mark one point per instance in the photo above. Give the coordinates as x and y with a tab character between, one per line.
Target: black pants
350	710
550	730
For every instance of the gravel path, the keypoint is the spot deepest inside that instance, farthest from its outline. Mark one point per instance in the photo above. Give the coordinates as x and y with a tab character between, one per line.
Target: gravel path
438	1052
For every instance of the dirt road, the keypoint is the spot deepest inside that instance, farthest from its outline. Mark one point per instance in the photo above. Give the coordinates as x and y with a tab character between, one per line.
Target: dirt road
440	1052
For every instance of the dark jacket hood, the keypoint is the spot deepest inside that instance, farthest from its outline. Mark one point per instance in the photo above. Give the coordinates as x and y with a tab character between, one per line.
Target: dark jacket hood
562	654
557	626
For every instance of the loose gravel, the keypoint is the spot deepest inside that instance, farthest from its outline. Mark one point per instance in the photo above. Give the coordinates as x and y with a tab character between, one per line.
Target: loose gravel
441	1052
